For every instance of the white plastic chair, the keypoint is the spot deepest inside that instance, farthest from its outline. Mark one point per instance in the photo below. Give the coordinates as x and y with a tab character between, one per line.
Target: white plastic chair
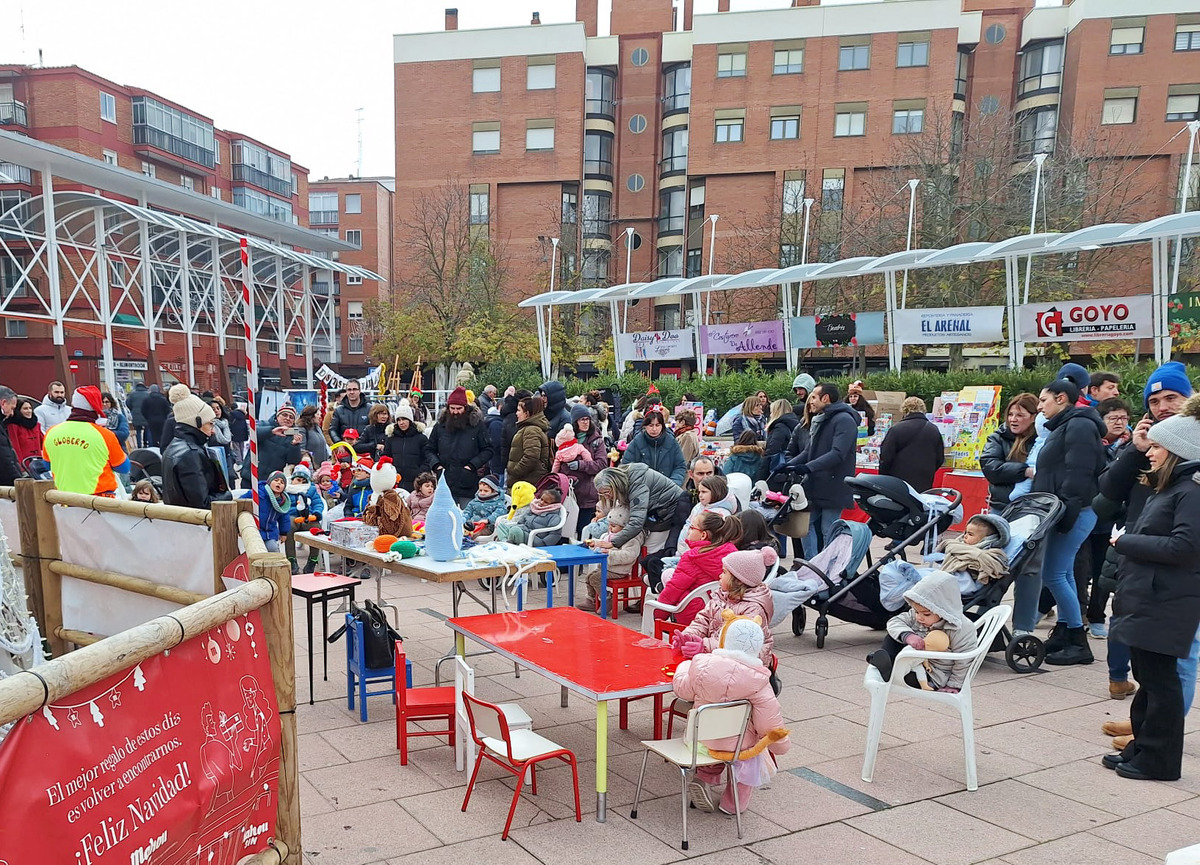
987	627
464	683
556	527
711	721
678	708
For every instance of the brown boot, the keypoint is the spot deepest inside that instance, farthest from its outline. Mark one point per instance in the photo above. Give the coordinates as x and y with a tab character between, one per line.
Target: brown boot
1119	742
1117	728
1120	690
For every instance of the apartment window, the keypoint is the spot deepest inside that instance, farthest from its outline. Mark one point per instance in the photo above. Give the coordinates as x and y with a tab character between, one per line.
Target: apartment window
1036	131
539	75
789	254
354	237
1041	68
16	328
731	64
672	211
597	214
854	52
833	185
957	129
147	169
599	87
1120	106
118	273
670	263
354	344
597	154
187	182
677	89
110	156
322	208
216	152
215	192
480	193
1127	36
785	122
539	135
570	205
486	78
912	50
485	137
253	163
352	279
695	261
1183	102
353	202
730	125
595	266
908	118
789	58
167	128
666	317
960	75
793	192
850	119
1187	37
108	107
674	150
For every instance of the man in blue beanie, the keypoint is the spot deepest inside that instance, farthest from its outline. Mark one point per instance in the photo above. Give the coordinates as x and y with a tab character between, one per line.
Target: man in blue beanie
1167	389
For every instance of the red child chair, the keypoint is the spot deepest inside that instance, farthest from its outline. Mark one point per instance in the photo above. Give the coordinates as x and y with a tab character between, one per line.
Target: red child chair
512	750
421	704
622	589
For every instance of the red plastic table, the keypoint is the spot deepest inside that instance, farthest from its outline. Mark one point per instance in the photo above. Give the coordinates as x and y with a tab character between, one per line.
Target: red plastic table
583	653
974	489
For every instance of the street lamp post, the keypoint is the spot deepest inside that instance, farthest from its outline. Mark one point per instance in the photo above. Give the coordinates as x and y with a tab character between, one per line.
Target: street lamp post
547	361
808	203
1039	160
898	348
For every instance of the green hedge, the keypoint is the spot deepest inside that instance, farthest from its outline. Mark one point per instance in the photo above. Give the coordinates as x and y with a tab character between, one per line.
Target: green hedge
725	391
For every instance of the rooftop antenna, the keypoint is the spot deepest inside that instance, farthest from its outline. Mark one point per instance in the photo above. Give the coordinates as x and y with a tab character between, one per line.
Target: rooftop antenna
360	123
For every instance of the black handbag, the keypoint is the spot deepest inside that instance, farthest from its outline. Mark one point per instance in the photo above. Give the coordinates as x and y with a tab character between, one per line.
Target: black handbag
379	637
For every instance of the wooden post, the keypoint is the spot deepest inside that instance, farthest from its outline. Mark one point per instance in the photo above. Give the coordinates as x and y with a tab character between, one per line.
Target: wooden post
39	545
225	537
281	647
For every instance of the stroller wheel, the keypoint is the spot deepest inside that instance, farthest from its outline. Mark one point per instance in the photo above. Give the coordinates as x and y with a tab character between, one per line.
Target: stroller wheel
798	621
821	629
1025	654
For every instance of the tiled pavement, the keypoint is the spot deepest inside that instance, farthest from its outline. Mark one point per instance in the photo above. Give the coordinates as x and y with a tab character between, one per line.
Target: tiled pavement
1043	795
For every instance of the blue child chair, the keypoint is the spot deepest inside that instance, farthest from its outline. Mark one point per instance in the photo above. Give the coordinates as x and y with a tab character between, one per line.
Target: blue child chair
359	676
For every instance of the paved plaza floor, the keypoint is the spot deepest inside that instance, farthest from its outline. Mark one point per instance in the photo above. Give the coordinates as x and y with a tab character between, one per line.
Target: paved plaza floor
1043	796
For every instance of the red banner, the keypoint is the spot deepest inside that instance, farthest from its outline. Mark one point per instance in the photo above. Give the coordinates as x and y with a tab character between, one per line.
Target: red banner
174	761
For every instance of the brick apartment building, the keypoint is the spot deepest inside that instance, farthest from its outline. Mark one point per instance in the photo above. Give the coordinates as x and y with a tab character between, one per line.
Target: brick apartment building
143	132
359	211
673	118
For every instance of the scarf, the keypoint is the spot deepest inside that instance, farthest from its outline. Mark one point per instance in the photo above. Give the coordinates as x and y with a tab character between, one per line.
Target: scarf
538	508
681	430
18	419
984	564
282	504
84	415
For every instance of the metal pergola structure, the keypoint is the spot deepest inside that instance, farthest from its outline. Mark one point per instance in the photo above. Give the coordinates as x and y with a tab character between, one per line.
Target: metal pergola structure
85	259
1159	232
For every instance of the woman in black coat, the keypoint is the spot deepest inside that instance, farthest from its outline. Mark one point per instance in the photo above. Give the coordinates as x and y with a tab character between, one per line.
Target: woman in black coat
913	449
780	427
508	423
374	437
1068	465
1156	610
408	447
1004	454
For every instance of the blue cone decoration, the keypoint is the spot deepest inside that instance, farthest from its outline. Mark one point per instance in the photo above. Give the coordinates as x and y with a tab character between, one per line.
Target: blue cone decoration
443	525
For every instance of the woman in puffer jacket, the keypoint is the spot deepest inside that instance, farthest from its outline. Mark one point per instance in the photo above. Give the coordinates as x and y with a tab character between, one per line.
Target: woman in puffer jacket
734	671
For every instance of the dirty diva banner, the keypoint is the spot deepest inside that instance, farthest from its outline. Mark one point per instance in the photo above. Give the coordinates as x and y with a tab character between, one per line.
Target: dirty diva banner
174	761
657	344
942	326
760	337
1070	320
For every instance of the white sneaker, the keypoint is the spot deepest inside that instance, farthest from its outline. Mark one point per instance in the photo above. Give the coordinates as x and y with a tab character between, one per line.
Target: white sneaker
1017	633
703	796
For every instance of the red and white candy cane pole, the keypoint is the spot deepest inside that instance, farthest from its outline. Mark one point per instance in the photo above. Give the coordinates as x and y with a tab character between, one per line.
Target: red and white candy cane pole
251	372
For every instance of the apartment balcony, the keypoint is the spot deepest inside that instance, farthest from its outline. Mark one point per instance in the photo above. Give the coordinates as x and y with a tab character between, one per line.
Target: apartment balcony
164	147
13	114
243	173
322	217
10	172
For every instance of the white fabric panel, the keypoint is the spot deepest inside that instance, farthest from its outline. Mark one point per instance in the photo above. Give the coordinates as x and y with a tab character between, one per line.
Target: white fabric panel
175	554
8	522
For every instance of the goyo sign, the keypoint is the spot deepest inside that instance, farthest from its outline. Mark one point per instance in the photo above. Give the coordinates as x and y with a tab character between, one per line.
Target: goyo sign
1102	318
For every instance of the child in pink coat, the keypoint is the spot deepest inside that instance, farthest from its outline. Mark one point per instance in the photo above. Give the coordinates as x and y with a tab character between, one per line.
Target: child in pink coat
569	449
734	671
742	592
711	537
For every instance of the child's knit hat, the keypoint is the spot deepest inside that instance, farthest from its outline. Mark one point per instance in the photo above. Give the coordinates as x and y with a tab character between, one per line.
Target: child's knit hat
565	435
277	475
302	471
492	481
741	635
749	567
364	463
618	514
404	410
325	470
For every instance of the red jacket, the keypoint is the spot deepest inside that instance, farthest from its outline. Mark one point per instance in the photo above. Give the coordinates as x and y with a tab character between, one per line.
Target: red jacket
696	567
26	442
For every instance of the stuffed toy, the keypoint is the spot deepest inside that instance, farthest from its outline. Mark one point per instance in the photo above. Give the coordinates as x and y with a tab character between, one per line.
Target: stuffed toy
522	494
406	549
444	525
935	641
754	750
387	511
383	543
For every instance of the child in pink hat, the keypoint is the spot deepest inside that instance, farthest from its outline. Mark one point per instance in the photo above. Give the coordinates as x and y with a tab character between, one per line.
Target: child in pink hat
743	593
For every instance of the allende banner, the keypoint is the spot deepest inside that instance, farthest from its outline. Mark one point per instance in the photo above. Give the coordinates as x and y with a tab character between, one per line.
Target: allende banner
1105	318
760	337
657	344
942	326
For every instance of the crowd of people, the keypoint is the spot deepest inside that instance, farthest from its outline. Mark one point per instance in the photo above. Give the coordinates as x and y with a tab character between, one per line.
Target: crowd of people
647	492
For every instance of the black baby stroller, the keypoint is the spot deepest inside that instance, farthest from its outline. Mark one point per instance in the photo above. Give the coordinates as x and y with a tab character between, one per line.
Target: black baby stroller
145	463
896	511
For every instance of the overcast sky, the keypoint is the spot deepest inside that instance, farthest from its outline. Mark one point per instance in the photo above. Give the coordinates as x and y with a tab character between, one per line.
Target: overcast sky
291	74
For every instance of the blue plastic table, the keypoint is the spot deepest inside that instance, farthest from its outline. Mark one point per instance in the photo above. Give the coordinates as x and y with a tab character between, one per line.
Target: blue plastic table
571	556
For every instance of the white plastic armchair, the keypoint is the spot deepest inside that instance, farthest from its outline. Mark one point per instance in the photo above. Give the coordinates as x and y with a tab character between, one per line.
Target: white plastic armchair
557	526
986	628
704	593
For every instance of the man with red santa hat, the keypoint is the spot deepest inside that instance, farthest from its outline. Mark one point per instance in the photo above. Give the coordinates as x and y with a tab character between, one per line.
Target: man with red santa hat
83	454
